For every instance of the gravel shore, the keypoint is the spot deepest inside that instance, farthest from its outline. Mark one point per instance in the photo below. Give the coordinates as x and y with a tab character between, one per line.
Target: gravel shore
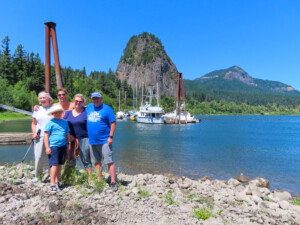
144	199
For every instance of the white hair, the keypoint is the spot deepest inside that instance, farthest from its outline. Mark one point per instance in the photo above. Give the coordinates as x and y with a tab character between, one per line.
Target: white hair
80	96
47	95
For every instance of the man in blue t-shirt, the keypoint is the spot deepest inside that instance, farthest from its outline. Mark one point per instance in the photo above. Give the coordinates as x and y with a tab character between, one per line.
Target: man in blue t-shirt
101	126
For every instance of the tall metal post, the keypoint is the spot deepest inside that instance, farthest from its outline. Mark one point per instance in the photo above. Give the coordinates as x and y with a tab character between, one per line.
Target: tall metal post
177	120
180	92
50	32
183	97
47	58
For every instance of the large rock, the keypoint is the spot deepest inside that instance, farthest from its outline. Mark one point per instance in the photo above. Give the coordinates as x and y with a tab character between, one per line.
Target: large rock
282	195
233	182
242	178
260	182
146	62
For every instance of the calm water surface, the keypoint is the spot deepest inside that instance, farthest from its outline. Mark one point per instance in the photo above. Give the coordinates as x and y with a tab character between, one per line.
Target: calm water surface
220	146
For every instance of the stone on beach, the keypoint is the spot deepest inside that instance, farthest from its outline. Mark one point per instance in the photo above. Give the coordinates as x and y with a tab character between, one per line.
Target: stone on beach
242	178
145	199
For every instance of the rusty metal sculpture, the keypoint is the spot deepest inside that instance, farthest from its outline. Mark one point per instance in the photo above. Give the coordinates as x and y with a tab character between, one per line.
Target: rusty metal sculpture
180	92
50	32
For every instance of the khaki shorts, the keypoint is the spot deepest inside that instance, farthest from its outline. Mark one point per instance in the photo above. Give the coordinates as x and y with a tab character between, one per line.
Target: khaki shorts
102	152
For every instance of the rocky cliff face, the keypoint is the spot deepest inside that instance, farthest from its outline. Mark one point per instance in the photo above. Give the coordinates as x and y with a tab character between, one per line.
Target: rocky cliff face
145	61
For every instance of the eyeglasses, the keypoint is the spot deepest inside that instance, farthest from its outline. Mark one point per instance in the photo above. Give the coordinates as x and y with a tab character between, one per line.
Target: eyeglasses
76	101
62	95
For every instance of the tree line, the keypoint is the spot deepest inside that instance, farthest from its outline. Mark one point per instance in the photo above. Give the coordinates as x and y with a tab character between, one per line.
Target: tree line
22	77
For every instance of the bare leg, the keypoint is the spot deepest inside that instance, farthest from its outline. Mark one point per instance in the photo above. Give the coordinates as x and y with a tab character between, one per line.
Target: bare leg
112	172
88	173
58	171
53	172
98	168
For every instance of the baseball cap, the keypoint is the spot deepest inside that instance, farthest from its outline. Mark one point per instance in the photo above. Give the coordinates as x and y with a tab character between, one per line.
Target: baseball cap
96	95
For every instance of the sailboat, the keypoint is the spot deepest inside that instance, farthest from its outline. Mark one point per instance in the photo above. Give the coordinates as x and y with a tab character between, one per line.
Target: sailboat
150	114
119	114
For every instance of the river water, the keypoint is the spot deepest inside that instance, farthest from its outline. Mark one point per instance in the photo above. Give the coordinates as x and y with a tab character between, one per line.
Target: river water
220	146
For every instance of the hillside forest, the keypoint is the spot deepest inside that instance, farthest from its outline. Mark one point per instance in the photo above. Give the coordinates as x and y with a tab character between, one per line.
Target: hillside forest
22	77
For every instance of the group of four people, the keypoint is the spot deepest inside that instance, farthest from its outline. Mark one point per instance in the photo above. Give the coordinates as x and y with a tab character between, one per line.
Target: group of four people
91	128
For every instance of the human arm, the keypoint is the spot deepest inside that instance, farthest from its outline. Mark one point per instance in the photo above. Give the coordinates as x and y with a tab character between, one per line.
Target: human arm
33	128
111	133
46	142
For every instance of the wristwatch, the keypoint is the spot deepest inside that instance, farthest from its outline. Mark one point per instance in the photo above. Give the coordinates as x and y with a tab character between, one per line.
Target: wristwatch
111	137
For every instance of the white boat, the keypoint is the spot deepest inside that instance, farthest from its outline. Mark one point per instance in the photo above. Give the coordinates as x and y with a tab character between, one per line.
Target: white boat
188	118
150	114
126	116
120	115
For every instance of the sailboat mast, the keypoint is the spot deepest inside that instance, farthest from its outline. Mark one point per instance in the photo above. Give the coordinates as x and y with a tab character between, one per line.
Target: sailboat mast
157	95
136	97
119	100
142	102
132	108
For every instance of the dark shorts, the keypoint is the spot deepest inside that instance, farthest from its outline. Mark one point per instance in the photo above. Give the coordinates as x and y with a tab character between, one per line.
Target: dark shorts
57	156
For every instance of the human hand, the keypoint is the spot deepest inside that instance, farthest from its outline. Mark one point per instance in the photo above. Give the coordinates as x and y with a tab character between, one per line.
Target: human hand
48	151
109	141
76	153
35	135
36	107
72	138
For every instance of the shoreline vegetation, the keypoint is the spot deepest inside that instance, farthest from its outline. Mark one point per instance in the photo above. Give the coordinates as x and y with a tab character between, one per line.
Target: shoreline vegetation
142	199
7	115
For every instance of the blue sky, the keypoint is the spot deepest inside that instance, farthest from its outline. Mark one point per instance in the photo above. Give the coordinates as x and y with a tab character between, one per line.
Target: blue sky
260	36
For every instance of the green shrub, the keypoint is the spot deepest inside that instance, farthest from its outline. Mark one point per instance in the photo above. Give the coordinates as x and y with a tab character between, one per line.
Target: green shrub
203	214
296	201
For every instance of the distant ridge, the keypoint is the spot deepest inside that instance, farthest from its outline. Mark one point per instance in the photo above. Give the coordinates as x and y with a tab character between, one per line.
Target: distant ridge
237	73
235	85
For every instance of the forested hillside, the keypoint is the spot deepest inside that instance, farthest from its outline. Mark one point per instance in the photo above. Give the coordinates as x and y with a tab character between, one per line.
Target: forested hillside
235	85
22	75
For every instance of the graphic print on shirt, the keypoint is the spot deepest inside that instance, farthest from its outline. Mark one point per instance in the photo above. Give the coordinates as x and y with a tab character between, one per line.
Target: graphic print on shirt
94	117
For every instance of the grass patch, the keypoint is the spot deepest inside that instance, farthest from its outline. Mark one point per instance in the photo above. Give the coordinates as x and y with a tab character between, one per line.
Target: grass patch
8	115
169	198
142	194
296	201
72	177
200	199
202	214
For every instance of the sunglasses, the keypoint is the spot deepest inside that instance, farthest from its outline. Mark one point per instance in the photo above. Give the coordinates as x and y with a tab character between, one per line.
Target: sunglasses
76	101
62	95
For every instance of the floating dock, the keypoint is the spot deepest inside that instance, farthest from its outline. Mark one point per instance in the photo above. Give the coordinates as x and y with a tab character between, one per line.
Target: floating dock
15	138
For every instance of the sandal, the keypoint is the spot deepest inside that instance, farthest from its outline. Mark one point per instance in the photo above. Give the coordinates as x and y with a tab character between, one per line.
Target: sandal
53	188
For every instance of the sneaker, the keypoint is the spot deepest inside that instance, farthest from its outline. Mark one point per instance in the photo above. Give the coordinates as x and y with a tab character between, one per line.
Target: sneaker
114	187
35	180
58	186
53	189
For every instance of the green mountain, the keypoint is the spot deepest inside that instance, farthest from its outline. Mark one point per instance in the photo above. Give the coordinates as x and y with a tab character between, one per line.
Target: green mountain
235	84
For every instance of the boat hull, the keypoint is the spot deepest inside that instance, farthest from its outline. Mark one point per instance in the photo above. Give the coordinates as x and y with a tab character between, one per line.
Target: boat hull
154	120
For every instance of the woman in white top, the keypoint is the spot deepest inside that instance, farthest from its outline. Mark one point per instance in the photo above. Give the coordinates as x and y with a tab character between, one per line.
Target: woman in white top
39	120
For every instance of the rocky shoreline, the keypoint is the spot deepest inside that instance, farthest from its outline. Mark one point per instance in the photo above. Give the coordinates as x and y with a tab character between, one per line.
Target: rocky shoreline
144	199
